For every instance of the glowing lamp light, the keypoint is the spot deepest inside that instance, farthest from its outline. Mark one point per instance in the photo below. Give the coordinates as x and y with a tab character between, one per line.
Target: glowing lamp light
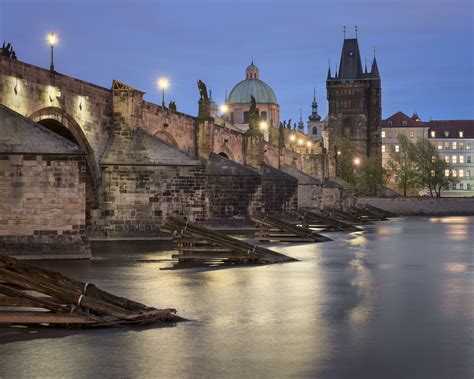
224	108
263	125
338	153
163	83
292	138
300	141
52	39
309	144
357	161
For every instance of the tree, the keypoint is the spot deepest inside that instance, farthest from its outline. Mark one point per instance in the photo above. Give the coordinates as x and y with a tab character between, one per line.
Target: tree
431	168
345	161
401	166
372	177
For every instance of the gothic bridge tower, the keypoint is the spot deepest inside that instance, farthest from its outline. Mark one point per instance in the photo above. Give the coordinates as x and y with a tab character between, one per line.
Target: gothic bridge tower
355	106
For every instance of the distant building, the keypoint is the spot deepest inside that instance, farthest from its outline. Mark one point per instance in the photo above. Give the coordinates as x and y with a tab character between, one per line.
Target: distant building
355	105
315	125
454	140
397	124
239	98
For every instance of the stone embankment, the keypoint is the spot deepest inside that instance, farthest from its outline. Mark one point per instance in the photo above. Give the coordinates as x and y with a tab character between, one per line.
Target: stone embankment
407	206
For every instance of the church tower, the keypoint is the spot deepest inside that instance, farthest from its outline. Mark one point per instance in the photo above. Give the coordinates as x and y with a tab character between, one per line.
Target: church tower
355	106
315	125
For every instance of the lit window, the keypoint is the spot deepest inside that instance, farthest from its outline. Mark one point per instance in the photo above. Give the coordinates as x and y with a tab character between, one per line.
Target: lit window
433	134
461	159
461	173
461	134
432	172
383	134
446	172
446	158
397	148
446	145
455	173
455	145
440	146
468	145
454	159
468	173
383	148
433	159
461	145
412	134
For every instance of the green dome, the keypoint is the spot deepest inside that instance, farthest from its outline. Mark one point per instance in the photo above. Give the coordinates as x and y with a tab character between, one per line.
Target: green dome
262	92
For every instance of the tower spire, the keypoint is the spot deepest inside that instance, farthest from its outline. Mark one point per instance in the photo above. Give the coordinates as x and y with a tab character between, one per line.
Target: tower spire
356	30
329	70
344	31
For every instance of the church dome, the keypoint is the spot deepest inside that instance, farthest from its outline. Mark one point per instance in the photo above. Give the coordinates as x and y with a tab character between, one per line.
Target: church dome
252	86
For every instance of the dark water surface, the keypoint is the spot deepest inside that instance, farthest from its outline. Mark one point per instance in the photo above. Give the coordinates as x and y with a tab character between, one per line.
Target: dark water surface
395	301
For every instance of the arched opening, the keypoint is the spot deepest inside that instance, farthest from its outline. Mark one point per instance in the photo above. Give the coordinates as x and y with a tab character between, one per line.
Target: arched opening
91	193
222	154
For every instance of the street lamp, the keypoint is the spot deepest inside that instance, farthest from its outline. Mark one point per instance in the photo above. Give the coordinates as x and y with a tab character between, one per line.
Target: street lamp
163	83
263	125
292	138
52	39
357	161
224	109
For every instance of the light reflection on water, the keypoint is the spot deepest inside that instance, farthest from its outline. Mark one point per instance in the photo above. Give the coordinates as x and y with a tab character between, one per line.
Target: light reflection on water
395	301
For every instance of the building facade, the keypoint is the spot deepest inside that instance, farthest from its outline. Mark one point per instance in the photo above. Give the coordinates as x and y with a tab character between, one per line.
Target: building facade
315	125
355	106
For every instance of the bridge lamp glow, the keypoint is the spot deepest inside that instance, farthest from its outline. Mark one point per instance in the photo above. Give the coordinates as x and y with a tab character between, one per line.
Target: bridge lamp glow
300	141
292	138
357	161
339	152
309	144
263	125
224	108
52	40
163	83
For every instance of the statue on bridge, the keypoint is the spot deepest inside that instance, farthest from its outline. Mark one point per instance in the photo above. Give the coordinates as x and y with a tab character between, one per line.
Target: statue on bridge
7	51
202	90
172	106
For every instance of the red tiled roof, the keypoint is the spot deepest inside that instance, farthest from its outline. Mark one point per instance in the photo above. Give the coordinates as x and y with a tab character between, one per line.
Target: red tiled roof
453	127
400	119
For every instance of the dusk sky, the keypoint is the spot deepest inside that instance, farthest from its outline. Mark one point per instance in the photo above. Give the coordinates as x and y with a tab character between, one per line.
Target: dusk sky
424	48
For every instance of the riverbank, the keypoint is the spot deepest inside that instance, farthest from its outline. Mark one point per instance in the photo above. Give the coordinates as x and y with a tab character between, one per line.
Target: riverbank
423	206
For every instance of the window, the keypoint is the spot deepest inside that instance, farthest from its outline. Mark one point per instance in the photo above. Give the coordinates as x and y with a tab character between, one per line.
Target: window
461	173
455	145
383	134
468	159
315	131
461	134
468	186
440	146
461	159
461	145
468	173
454	159
446	173
389	123
461	185
432	172
390	134
446	145
404	123
263	115
468	145
433	134
455	173
397	148
446	158
412	134
433	159
383	148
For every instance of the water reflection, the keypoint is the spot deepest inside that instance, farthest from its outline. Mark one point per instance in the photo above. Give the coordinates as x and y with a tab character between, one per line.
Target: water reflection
372	304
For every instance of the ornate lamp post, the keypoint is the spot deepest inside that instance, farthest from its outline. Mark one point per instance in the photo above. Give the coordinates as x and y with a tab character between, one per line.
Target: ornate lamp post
52	39
224	109
163	83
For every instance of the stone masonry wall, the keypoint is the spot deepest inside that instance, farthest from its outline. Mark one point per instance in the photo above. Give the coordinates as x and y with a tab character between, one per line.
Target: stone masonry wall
42	212
407	206
136	199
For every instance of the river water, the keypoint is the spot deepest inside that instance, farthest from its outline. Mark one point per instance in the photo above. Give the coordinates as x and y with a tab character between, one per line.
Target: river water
394	301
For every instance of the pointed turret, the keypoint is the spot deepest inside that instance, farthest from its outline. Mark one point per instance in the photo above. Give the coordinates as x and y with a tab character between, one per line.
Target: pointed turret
314	116
329	72
374	72
350	66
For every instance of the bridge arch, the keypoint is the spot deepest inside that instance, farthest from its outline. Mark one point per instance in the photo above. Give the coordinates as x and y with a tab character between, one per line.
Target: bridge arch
64	124
226	152
167	137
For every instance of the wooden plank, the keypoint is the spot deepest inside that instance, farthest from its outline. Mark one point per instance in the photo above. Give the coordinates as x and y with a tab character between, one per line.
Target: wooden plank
43	318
